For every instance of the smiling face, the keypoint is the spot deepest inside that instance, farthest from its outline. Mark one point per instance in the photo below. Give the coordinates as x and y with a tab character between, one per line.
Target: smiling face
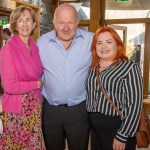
65	22
25	24
106	47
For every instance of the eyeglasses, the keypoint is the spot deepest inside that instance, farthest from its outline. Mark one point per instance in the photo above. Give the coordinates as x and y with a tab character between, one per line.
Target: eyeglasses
27	21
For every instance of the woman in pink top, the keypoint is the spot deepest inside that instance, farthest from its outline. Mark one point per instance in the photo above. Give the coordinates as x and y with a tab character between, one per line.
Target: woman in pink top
21	72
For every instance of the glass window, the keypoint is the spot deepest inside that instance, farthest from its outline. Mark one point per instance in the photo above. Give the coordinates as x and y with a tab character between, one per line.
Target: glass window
124	10
134	41
83	9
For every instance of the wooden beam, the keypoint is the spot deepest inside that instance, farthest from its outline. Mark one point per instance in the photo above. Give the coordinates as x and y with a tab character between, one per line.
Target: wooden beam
84	22
5	11
127	21
54	6
69	1
146	66
95	14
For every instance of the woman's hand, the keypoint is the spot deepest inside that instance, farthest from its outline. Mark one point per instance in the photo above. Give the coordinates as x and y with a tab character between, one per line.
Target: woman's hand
117	145
40	84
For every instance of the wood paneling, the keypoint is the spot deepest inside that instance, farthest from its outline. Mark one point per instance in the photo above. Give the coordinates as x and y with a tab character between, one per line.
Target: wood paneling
127	21
95	14
4	11
146	105
146	68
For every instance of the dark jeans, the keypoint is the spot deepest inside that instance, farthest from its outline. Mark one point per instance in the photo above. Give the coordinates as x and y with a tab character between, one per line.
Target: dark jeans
59	123
103	130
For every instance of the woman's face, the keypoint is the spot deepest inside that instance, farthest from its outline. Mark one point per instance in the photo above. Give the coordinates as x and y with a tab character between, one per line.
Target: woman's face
25	24
106	46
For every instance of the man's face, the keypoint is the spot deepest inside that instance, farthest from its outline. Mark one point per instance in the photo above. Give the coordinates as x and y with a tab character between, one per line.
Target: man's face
66	24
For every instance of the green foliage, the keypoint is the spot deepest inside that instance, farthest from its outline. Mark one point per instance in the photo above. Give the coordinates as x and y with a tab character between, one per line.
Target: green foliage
131	48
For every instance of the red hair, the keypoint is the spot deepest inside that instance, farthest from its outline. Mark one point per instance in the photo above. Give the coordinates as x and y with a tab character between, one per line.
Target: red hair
121	48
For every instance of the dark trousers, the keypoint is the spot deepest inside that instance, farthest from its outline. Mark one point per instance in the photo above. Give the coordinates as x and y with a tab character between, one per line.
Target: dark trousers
60	123
103	130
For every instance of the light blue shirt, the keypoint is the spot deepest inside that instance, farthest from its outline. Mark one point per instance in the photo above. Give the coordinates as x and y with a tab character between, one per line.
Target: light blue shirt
65	70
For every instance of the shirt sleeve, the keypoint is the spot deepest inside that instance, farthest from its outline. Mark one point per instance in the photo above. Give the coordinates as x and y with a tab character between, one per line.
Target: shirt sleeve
133	91
8	75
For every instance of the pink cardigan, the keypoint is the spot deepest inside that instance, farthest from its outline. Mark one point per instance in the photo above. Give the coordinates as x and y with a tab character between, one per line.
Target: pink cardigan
20	70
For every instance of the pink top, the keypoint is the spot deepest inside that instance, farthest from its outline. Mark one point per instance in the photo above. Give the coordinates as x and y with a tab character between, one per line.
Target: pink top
20	70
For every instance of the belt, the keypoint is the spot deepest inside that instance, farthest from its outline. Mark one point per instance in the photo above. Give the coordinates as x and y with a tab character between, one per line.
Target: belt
63	105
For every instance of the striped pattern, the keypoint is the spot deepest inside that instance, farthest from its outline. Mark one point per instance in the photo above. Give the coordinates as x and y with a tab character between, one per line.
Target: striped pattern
124	85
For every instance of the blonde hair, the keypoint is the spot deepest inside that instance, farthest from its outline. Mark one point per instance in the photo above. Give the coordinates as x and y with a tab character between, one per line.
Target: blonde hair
16	13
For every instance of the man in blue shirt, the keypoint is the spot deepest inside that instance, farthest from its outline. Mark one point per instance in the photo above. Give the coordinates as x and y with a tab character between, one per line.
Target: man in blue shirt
65	54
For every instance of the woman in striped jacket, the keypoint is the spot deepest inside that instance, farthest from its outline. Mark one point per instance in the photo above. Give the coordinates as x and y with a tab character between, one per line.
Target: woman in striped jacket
113	77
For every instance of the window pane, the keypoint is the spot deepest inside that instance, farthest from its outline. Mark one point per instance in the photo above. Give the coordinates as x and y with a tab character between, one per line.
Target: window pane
135	42
83	9
133	9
